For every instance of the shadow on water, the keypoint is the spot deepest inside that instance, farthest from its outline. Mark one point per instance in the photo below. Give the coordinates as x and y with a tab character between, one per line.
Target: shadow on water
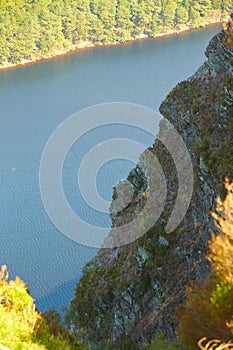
54	298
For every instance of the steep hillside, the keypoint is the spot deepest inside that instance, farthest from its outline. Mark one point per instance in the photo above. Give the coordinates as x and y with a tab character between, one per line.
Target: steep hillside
129	294
40	29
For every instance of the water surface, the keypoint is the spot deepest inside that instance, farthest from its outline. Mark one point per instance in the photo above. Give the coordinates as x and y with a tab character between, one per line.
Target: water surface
34	100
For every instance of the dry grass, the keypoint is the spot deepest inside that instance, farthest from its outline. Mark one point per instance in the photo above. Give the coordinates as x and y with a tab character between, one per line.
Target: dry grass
228	29
214	344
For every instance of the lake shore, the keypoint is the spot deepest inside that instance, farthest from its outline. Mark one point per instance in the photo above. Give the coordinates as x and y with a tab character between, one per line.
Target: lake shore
86	45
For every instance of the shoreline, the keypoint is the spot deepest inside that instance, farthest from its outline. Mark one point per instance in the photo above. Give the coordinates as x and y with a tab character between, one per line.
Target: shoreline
84	47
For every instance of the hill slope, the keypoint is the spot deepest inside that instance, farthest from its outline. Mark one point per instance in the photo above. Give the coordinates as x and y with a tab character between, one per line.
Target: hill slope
35	30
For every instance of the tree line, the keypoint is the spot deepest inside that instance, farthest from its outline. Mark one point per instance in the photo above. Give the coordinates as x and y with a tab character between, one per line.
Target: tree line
42	28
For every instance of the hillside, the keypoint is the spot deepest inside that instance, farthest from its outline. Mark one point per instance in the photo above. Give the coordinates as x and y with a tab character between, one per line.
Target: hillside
36	30
127	295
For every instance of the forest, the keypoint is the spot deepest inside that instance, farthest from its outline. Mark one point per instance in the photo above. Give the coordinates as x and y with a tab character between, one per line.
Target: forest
38	29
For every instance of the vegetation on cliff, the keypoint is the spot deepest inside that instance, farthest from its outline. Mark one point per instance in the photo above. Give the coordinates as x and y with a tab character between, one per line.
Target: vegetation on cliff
228	29
129	294
208	310
208	99
22	326
32	30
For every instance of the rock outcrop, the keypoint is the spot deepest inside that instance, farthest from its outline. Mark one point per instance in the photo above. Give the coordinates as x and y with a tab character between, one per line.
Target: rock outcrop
128	294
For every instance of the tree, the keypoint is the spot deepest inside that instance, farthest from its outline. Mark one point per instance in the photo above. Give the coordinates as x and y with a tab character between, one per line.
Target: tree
181	16
123	20
168	12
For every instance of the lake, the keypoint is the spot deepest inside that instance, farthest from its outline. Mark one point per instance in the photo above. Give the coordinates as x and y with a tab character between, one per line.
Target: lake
34	100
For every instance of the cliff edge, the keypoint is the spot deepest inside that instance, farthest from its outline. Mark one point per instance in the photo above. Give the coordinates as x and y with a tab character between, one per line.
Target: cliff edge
129	294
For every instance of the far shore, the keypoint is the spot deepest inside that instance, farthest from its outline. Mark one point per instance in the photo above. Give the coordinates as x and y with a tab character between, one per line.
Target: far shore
83	46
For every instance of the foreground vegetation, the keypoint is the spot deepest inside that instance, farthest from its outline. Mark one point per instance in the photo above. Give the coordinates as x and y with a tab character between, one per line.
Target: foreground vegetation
22	326
208	310
32	30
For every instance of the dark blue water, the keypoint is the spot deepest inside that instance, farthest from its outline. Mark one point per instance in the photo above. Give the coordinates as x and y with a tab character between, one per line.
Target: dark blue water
34	101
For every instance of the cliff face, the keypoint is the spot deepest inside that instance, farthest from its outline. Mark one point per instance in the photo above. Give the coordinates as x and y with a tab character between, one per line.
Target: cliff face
130	293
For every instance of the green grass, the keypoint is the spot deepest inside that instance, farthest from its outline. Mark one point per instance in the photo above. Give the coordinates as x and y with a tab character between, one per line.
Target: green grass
22	326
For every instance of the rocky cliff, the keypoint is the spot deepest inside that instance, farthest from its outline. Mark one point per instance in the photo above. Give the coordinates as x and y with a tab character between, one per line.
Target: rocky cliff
129	294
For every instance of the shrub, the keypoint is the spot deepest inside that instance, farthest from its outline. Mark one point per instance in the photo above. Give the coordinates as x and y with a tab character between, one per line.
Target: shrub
221	246
160	343
208	310
22	326
228	29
